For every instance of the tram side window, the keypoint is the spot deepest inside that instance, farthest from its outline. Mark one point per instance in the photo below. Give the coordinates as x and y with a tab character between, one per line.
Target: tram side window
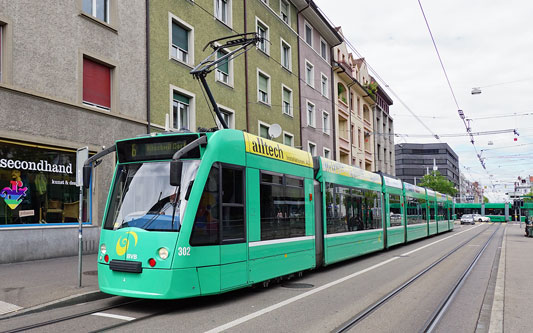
441	212
395	210
351	209
206	223
416	211
282	206
432	211
233	226
494	211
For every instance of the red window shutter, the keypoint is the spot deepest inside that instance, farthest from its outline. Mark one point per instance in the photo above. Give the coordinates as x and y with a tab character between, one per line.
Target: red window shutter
96	83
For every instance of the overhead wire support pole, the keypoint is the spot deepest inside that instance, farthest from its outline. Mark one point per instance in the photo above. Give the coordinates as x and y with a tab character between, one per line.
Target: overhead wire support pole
206	66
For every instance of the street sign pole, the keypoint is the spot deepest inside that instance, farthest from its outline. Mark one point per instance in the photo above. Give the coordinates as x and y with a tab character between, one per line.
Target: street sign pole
82	154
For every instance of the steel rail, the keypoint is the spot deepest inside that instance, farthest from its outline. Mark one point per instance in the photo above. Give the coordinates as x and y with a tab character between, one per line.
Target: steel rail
373	307
432	322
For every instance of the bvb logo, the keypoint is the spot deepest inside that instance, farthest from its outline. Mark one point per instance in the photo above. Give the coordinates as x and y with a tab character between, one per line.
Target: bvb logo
124	243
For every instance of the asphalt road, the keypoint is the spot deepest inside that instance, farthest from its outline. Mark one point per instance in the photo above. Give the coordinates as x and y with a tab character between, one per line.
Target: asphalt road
321	300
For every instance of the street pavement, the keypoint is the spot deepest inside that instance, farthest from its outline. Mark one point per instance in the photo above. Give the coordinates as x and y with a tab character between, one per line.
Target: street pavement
44	284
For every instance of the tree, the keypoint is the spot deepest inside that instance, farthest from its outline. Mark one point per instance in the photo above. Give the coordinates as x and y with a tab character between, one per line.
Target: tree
437	182
485	199
528	197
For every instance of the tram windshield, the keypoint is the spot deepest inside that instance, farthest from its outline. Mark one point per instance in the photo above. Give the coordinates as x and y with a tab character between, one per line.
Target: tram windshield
142	196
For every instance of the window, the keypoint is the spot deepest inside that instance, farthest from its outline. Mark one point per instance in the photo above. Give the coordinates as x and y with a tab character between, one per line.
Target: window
96	84
223	68
308	34
324	88
325	122
288	139
341	91
310	114
323	49
287	100
282	200
220	217
180	111
263	88
263	130
416	211
327	153
360	139
181	42
309	74
223	11
352	209
38	184
1	46
228	115
97	8
396	216
311	148
285	55
284	9
262	31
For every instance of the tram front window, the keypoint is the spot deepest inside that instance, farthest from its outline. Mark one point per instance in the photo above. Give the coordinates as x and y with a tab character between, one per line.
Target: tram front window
142	196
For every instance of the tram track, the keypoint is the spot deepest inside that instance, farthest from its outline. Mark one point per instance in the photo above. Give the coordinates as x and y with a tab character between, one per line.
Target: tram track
437	314
70	317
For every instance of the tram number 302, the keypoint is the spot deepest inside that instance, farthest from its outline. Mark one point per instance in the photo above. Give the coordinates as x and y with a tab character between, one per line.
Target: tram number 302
184	251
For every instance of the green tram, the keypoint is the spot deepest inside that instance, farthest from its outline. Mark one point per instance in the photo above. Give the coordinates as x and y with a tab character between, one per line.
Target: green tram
191	214
498	212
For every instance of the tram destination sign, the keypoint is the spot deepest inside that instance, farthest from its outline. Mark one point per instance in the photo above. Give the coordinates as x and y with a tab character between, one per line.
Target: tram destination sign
155	148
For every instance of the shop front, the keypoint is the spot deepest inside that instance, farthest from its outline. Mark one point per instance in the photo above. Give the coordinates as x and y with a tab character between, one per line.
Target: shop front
38	186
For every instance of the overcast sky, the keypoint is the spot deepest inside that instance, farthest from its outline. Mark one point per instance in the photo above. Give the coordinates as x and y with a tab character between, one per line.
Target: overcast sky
483	43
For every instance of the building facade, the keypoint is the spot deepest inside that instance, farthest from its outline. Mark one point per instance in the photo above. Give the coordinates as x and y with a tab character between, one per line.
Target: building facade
317	37
353	105
383	133
73	74
414	160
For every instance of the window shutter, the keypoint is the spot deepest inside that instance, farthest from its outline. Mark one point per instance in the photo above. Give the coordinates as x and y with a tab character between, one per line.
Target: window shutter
223	66
263	83
180	98
180	37
263	131
96	83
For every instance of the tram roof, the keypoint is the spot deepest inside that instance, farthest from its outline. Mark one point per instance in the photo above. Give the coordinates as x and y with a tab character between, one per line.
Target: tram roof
338	168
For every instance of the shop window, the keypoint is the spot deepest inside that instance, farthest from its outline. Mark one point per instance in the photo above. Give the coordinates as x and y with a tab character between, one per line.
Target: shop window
38	185
96	84
282	206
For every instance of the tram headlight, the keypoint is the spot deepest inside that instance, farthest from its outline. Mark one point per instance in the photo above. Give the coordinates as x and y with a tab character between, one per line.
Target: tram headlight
103	248
163	253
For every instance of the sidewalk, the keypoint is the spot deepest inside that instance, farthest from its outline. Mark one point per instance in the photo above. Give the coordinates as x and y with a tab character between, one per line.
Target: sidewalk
518	292
30	284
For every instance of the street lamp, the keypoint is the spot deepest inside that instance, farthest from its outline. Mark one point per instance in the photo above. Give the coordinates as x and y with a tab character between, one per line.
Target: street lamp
476	91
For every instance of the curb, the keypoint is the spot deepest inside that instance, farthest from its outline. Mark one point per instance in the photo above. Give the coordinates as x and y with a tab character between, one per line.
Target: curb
59	303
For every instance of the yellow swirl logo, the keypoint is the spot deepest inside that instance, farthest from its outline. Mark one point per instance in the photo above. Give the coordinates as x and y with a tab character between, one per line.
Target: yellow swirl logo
124	243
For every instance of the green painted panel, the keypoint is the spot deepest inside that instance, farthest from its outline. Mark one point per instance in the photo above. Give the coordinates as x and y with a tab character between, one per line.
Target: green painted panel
443	226
233	253
395	236
416	232
263	251
252	204
274	266
171	284
348	246
233	275
209	278
433	228
309	207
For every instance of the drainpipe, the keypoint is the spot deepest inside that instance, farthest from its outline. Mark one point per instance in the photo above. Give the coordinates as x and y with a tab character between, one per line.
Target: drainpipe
148	125
247	108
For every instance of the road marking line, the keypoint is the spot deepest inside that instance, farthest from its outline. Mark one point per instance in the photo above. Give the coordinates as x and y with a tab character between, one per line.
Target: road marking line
435	242
8	307
109	315
311	292
496	314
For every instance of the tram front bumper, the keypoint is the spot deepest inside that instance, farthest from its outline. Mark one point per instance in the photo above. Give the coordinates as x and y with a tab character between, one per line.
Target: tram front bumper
150	283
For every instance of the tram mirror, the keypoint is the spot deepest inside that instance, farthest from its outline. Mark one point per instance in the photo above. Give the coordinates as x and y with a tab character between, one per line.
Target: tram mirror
175	172
86	176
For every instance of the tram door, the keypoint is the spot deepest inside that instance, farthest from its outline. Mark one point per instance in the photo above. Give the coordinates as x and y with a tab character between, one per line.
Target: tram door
233	247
